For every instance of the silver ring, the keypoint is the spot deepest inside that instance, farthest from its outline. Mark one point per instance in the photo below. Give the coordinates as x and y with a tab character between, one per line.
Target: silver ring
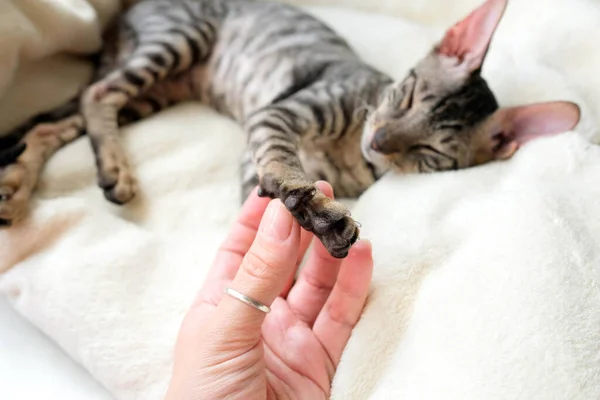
247	300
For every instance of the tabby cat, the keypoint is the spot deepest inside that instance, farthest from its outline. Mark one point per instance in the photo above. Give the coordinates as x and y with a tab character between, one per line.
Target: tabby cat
312	109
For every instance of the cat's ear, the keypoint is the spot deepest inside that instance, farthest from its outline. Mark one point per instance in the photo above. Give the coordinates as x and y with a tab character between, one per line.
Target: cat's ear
469	39
514	126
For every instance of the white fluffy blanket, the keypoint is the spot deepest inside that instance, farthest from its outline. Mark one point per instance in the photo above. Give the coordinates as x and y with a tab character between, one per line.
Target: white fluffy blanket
487	280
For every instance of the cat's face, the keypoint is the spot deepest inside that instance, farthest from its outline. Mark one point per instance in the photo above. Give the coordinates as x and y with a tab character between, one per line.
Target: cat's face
443	116
431	120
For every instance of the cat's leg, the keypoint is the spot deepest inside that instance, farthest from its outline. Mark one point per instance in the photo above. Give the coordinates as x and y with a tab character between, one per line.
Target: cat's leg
249	176
101	105
122	97
274	139
18	179
159	56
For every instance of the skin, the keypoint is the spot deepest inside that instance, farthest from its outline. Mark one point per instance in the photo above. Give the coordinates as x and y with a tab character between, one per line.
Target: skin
227	349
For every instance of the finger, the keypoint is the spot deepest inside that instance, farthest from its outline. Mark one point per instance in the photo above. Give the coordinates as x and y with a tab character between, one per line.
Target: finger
230	254
305	241
314	284
263	271
344	306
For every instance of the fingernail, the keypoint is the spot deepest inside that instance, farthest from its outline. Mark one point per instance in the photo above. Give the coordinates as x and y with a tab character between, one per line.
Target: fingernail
326	188
277	221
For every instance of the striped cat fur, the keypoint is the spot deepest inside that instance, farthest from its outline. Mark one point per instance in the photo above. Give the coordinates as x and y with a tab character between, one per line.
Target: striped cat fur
311	108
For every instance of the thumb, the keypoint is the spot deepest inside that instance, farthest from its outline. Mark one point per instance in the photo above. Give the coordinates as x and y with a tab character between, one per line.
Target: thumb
264	270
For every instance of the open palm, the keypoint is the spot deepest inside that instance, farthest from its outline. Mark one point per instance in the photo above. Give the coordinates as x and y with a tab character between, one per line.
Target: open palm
295	349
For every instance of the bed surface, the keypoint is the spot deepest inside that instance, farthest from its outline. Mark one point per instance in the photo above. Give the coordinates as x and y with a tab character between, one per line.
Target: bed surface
487	281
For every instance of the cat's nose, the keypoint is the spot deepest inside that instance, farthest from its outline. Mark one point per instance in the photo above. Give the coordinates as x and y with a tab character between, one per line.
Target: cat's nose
378	141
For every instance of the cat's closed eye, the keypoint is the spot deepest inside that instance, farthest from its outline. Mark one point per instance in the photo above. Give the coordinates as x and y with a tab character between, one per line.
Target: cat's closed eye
430	159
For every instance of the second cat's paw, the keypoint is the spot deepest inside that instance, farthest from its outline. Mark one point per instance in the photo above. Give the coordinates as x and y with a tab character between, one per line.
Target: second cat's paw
333	225
328	219
14	194
116	179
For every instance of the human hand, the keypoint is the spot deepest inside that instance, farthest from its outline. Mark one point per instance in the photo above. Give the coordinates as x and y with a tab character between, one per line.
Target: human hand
227	349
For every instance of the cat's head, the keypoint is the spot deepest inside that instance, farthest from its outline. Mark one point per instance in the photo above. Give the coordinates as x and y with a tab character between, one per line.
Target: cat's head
443	115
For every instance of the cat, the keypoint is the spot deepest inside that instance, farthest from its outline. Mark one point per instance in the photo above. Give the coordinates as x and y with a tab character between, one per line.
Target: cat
311	108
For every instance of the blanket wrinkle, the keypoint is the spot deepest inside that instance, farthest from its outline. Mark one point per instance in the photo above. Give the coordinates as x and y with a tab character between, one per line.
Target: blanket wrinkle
486	284
41	40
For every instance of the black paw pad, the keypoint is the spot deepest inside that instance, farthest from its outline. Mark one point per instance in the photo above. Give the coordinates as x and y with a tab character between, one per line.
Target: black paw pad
112	197
261	192
304	219
342	254
106	183
299	197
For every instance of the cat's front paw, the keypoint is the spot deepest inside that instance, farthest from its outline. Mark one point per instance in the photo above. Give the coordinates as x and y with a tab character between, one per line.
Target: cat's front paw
15	192
328	219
